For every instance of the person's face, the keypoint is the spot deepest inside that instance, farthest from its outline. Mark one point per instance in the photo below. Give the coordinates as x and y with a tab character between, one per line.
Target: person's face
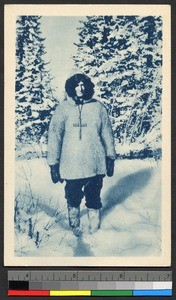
79	89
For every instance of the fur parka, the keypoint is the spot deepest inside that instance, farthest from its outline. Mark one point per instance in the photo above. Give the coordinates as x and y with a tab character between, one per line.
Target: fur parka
79	139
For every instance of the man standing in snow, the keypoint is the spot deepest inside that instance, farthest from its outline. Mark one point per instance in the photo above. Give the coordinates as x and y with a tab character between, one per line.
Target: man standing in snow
81	149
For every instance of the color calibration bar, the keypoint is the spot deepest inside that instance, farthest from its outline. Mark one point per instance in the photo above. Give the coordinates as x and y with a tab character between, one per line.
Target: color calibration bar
102	289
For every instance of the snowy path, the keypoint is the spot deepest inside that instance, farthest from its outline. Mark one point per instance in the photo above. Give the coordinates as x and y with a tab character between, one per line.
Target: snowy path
131	213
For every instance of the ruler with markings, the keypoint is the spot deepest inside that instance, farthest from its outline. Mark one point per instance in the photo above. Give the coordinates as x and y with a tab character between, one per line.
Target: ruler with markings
89	283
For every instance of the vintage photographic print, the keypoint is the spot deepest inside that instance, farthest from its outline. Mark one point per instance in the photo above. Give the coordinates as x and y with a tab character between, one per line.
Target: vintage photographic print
87	135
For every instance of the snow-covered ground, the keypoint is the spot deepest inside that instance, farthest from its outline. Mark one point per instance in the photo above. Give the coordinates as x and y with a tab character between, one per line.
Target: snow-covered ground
131	213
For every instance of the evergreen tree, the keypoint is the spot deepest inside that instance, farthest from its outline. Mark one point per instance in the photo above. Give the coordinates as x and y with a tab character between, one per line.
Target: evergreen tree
124	56
34	94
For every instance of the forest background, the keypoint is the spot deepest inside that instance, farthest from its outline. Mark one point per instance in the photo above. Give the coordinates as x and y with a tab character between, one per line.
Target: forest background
121	54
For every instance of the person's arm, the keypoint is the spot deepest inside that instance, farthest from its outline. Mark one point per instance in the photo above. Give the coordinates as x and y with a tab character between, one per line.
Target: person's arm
55	137
108	141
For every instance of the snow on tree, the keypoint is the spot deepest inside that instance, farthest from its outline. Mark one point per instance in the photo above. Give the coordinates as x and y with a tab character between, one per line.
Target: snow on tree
34	93
123	55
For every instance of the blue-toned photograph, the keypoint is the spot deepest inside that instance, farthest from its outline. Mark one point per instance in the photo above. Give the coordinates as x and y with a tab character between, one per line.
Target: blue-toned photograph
88	149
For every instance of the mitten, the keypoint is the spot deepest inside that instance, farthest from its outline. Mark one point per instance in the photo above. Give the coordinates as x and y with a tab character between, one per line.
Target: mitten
109	166
55	175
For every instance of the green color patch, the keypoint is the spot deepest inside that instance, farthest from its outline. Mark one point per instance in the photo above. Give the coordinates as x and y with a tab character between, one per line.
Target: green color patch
111	293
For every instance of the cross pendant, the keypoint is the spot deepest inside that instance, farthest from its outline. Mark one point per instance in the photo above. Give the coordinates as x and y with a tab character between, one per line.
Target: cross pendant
80	125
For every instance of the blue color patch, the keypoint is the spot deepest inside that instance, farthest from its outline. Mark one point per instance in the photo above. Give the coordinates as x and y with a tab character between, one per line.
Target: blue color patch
152	293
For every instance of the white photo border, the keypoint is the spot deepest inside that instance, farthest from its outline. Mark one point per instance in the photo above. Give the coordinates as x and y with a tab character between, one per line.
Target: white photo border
11	13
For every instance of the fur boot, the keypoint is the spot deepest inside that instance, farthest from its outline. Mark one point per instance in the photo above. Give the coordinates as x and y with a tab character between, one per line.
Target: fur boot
94	219
74	219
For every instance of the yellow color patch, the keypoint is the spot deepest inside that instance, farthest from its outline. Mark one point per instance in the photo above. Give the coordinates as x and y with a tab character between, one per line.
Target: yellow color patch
70	293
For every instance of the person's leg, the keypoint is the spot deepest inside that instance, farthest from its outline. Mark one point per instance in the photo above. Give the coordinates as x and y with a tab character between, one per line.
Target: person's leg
74	195
92	190
73	192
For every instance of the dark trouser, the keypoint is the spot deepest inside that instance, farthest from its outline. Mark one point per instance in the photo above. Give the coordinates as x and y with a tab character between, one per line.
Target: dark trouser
90	187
